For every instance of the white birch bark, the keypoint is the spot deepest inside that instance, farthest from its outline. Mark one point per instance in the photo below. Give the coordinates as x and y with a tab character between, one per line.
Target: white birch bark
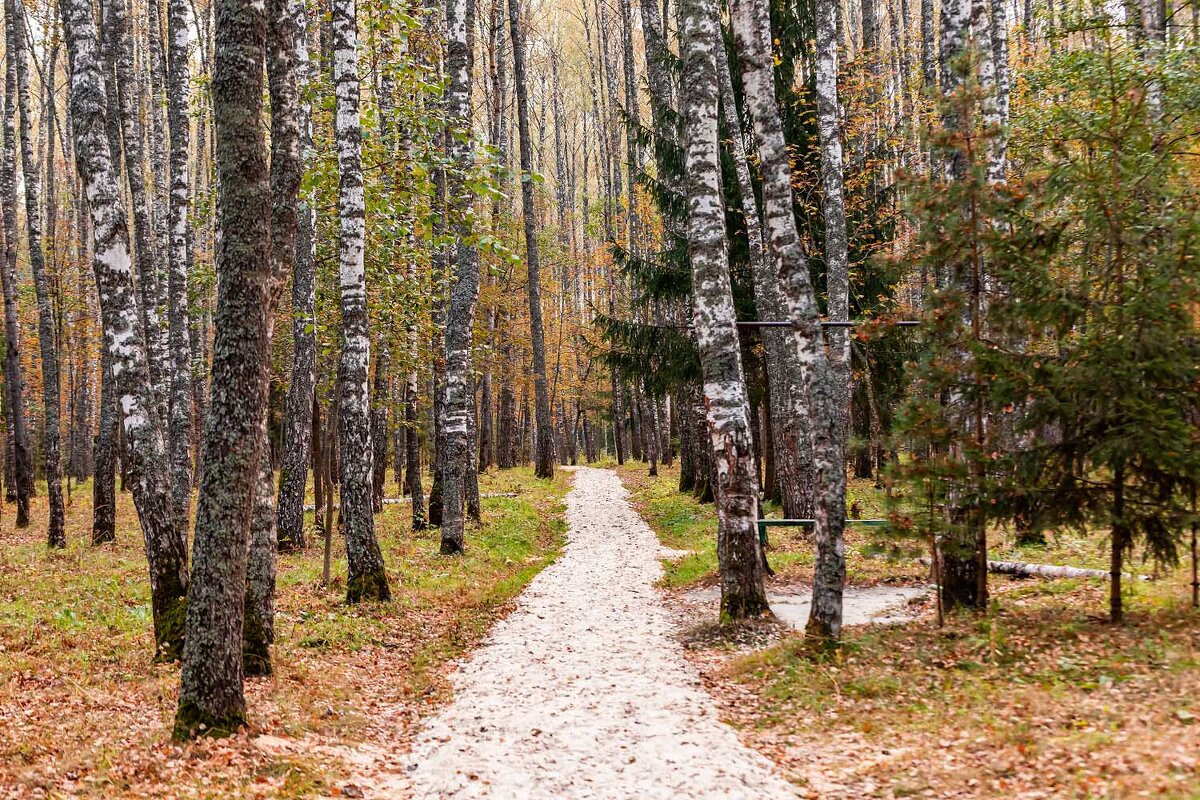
166	544
752	36
464	279
833	203
179	260
367	578
298	425
17	39
742	591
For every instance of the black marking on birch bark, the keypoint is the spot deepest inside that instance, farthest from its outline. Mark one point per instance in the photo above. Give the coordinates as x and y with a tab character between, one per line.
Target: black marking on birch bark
16	42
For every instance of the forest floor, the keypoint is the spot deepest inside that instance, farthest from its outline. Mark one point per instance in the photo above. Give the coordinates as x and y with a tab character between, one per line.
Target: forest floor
84	713
1039	698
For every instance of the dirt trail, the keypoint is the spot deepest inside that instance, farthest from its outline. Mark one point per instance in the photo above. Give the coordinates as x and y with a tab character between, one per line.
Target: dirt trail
583	692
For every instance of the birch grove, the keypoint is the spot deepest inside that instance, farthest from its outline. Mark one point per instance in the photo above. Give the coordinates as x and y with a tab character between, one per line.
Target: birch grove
341	280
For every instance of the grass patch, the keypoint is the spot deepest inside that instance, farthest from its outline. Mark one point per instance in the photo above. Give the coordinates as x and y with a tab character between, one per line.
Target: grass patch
84	712
1039	695
683	523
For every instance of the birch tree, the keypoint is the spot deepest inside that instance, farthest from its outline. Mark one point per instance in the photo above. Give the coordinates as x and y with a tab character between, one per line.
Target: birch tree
833	203
17	39
464	280
742	591
752	36
166	544
179	260
14	378
367	579
544	458
298	417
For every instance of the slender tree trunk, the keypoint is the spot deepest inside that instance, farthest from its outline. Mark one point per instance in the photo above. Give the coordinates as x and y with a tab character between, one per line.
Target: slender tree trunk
14	379
791	447
413	456
166	544
833	204
298	436
742	591
964	557
211	700
464	288
17	38
104	456
367	578
380	396
752	35
145	249
284	25
544	458
179	260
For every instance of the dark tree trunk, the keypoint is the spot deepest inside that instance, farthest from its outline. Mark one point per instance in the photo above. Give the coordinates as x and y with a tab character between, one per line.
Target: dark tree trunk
14	379
47	339
544	457
104	458
284	26
211	700
380	400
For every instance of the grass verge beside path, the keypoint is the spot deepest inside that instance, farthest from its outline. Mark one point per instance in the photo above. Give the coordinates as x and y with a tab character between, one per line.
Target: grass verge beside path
1040	698
83	712
683	523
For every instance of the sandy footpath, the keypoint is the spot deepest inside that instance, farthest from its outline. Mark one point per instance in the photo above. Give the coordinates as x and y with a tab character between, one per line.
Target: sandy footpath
582	691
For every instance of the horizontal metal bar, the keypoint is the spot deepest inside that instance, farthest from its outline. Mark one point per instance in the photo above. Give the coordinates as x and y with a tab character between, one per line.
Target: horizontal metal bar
901	323
807	523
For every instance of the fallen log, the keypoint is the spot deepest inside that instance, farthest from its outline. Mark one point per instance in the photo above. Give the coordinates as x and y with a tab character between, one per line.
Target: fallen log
1024	569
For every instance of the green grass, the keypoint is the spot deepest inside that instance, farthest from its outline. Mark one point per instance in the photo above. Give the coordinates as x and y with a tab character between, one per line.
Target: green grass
76	646
1039	684
683	523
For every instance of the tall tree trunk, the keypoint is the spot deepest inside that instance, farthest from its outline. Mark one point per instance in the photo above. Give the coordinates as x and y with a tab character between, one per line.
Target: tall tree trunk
145	248
752	35
166	544
367	579
179	261
211	699
298	417
464	287
833	204
284	25
742	591
14	379
964	556
17	38
380	400
544	459
791	447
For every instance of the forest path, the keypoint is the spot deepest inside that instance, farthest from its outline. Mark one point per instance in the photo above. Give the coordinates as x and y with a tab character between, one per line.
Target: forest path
583	691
